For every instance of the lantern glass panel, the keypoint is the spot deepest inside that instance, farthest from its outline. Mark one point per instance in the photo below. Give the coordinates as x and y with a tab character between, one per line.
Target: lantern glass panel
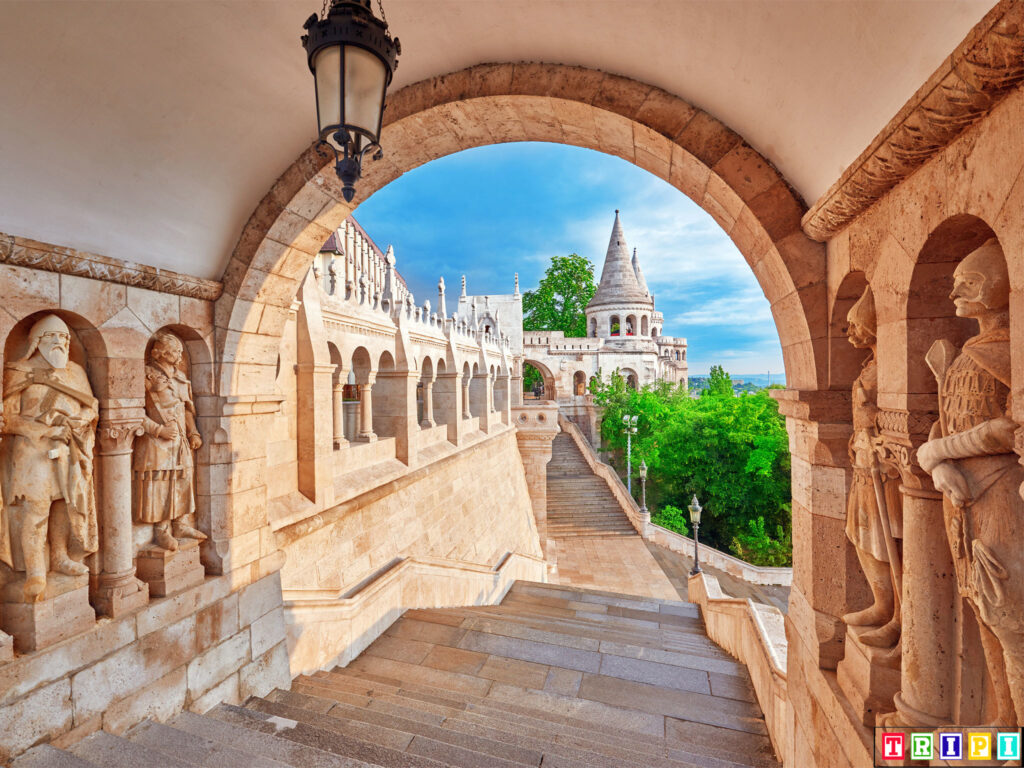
327	65
365	77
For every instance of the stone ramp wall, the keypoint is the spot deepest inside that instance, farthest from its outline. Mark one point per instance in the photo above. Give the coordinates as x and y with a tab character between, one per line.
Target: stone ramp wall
463	514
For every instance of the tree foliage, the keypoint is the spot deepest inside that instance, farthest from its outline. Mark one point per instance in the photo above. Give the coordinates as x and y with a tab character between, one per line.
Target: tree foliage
559	301
731	451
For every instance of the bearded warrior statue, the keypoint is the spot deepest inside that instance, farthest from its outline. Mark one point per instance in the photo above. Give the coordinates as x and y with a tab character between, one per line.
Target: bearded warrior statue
163	462
970	457
47	460
873	512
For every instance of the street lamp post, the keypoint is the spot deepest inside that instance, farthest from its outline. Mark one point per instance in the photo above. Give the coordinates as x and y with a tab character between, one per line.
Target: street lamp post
629	427
643	487
695	511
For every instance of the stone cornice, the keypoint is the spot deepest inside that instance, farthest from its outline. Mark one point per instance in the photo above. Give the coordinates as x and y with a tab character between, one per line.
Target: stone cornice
968	85
22	252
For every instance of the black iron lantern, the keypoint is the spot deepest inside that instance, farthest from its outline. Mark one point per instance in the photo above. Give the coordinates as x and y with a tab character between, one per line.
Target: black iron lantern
352	57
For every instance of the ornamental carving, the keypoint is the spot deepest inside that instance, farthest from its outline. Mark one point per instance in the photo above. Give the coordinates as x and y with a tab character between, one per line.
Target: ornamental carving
20	252
981	75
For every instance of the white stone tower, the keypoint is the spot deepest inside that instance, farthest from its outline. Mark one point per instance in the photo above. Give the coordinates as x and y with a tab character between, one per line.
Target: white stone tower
622	307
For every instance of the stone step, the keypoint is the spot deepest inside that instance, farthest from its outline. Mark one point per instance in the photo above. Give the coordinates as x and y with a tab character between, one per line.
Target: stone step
536	735
249	740
195	749
501	724
349	712
297	725
113	751
407	749
45	756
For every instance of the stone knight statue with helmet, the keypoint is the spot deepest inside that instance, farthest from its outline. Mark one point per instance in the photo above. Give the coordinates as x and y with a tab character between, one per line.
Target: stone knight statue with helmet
47	460
970	457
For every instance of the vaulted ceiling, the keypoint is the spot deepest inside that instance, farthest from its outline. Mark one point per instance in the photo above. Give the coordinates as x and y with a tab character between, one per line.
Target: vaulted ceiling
148	131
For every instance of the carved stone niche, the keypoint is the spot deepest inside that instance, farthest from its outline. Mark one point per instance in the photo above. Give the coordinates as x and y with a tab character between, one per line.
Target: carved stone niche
165	531
49	533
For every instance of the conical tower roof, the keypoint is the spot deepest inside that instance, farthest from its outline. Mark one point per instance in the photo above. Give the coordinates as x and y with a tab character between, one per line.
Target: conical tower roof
640	275
619	284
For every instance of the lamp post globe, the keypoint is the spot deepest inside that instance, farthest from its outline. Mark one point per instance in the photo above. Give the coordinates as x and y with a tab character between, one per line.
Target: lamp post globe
643	486
695	510
352	57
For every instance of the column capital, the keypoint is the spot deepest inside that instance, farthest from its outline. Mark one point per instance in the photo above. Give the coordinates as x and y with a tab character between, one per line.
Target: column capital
115	437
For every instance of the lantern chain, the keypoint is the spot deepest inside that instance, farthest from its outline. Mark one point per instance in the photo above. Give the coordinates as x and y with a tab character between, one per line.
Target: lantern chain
383	18
323	11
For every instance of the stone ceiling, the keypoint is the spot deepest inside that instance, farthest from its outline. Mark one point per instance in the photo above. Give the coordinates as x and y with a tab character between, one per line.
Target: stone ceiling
148	131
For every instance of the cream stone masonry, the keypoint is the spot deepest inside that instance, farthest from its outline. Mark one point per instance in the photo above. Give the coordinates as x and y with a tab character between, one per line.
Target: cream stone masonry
358	451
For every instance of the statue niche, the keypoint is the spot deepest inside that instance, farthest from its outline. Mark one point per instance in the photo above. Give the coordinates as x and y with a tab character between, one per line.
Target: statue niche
869	671
970	457
163	472
48	523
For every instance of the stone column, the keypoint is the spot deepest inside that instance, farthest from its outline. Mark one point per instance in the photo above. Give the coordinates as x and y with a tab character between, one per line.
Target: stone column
117	590
449	386
926	696
338	400
366	433
537	426
465	398
428	405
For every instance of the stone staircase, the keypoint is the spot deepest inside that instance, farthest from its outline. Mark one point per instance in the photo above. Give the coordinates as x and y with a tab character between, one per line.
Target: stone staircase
554	677
579	502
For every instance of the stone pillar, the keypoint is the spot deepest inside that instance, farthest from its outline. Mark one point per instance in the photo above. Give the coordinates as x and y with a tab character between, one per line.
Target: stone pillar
536	427
428	405
366	433
338	402
926	697
450	397
395	411
117	589
465	398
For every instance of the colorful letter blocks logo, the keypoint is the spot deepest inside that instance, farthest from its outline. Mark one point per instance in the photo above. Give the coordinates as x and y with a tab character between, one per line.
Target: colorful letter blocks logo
981	746
921	746
951	746
1008	746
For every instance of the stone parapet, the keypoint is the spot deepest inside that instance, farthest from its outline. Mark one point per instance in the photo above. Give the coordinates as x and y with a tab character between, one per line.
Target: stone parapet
756	635
327	628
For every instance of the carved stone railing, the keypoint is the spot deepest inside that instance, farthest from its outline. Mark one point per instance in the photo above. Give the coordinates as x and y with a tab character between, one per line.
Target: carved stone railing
756	635
328	628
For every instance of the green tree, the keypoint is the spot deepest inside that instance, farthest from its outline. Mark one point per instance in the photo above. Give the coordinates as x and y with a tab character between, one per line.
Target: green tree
731	451
719	382
559	301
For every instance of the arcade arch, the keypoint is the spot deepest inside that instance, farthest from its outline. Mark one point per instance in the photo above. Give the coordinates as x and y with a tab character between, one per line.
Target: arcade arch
540	102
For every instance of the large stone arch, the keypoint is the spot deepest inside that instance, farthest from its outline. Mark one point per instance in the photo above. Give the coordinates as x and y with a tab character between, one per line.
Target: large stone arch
496	103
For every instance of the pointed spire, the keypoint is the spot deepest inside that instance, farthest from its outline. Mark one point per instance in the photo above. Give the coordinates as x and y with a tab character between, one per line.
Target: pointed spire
639	274
442	309
463	294
619	284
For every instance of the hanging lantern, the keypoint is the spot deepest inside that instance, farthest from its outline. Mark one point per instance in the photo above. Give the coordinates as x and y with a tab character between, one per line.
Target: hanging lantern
352	57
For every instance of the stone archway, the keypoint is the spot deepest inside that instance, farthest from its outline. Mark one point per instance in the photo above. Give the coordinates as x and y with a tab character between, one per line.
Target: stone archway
496	103
550	382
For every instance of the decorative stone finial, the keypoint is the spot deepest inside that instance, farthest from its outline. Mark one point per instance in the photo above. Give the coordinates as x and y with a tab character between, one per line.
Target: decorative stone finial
463	294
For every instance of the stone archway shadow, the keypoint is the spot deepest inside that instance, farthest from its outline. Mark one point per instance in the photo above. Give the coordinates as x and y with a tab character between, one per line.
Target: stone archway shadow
498	103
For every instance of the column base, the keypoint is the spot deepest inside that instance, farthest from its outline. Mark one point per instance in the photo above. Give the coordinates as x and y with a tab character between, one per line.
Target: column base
61	611
869	677
166	571
115	597
370	438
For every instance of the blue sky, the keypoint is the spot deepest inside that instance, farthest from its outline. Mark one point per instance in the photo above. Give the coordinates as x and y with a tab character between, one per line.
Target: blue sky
492	211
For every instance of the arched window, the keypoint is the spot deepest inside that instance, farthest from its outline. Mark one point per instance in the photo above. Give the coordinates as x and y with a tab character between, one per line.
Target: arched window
631	325
613	326
644	329
593	327
579	383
